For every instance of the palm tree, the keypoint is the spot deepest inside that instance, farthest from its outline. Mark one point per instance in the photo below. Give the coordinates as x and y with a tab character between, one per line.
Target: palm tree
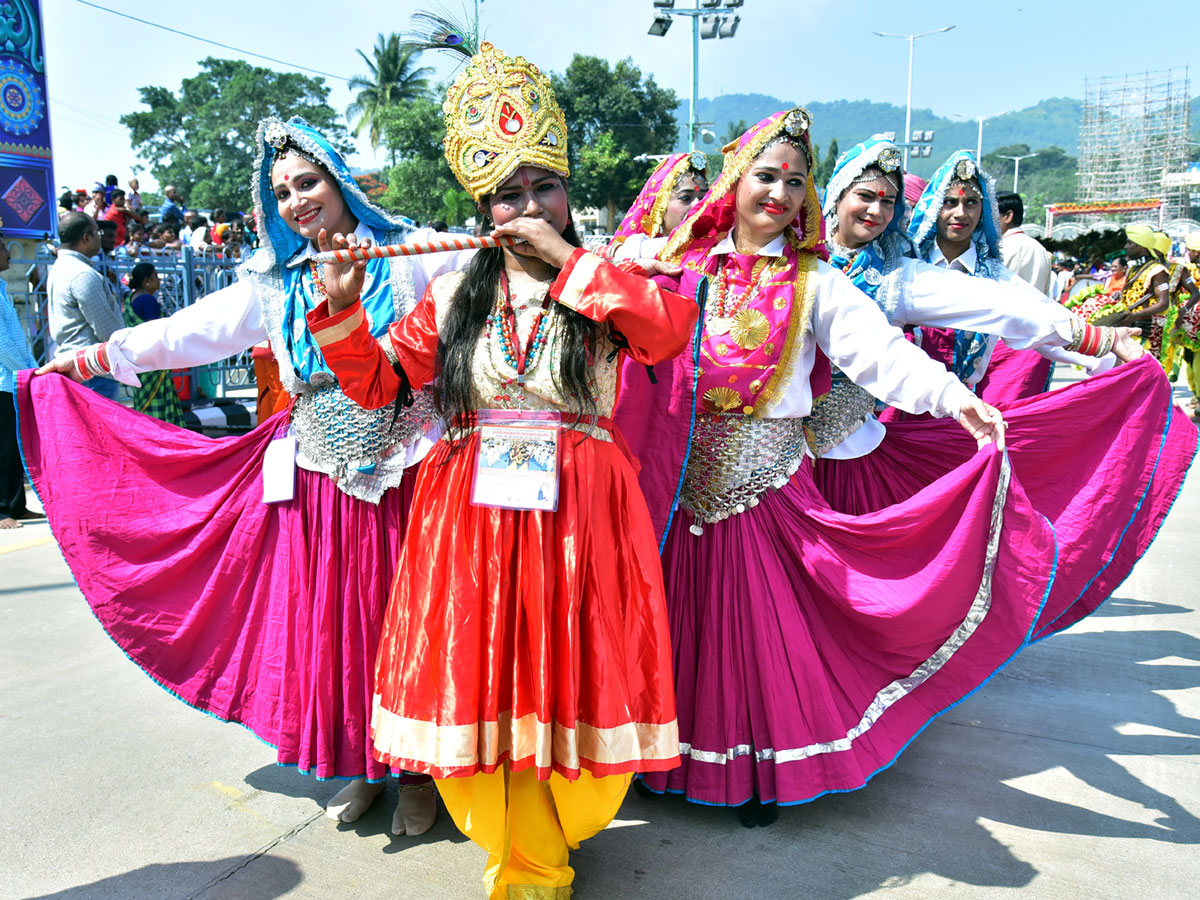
395	78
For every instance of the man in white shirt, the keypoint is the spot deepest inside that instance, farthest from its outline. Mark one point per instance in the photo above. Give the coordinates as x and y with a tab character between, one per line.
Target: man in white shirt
1023	256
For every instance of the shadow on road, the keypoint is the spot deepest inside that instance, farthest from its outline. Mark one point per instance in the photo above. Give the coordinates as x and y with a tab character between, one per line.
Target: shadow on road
274	878
1057	721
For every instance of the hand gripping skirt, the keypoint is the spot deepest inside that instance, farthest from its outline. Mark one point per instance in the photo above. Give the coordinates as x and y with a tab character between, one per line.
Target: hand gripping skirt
267	615
527	638
1103	460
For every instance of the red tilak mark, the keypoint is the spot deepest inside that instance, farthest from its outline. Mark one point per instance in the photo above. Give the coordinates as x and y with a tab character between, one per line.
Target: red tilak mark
785	167
524	179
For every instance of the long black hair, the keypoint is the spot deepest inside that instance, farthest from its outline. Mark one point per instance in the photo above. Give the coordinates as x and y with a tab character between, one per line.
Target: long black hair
573	334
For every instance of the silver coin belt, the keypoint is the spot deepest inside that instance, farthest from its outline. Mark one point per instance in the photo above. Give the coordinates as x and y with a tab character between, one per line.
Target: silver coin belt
838	414
734	460
361	448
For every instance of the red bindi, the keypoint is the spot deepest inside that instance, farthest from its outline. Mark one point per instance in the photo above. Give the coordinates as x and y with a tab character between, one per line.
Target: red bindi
785	167
286	177
961	192
882	194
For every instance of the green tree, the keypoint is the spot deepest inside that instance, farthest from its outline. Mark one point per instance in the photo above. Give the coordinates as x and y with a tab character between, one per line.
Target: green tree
420	183
394	78
614	115
823	164
735	130
201	139
1049	177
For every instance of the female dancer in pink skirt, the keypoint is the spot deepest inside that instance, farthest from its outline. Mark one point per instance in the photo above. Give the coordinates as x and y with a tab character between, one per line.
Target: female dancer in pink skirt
244	608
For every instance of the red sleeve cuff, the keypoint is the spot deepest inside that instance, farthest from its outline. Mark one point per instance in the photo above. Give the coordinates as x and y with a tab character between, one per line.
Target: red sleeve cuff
327	329
571	283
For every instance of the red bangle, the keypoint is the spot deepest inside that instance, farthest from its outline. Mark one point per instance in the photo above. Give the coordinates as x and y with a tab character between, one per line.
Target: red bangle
81	364
1093	342
102	358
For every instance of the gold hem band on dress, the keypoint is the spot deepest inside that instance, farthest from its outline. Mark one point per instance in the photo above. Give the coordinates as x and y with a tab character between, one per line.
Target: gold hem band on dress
450	747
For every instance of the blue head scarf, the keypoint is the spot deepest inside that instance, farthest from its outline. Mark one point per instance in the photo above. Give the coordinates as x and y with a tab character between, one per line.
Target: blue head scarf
969	346
278	243
868	267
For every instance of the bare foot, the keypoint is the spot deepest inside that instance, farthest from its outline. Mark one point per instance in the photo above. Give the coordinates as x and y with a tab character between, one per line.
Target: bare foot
9	522
353	800
416	809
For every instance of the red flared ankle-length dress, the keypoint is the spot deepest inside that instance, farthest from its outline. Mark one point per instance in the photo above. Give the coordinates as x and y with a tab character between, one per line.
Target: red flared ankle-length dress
522	637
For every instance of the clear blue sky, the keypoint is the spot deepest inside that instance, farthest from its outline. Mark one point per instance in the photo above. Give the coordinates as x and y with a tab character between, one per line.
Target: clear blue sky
1000	55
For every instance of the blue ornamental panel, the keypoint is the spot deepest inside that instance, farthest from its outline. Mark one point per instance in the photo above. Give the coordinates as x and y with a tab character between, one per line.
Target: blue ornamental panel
27	200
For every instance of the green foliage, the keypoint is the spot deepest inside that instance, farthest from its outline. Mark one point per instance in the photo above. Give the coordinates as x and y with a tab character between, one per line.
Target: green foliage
420	184
394	78
613	115
201	139
735	130
1049	177
823	165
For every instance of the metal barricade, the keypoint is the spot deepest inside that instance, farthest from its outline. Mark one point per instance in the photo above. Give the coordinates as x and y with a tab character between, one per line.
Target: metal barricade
186	275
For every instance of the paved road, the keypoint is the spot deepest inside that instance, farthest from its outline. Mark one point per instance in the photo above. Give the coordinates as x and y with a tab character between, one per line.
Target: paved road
1074	774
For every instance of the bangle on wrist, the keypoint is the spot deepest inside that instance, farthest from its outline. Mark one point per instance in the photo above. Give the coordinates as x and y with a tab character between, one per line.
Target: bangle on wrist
81	367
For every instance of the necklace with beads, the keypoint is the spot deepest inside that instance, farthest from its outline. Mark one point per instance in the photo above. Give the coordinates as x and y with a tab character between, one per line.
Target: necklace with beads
727	304
503	321
318	280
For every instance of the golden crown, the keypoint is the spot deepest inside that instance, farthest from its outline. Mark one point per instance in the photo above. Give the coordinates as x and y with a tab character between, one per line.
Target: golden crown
500	115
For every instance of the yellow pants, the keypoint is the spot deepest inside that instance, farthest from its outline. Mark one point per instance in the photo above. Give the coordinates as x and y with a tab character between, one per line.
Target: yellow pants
1193	371
528	826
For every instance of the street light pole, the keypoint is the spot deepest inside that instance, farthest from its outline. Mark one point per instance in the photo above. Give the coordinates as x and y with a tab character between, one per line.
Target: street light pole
1017	166
695	78
726	26
912	40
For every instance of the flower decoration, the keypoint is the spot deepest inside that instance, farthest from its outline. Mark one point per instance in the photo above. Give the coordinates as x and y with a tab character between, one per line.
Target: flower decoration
698	160
797	121
889	160
276	135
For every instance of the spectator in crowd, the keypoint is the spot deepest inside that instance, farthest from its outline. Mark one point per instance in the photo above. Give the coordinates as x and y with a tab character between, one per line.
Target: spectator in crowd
135	194
1023	256
84	307
173	209
439	225
14	354
188	226
1116	279
199	238
121	213
110	183
96	206
156	395
81	199
219	217
135	242
170	238
66	203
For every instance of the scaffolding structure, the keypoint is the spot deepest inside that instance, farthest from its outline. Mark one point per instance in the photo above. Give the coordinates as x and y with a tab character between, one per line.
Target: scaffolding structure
1135	132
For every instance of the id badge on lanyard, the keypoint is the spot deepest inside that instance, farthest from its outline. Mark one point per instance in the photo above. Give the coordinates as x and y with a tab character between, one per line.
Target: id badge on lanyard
517	465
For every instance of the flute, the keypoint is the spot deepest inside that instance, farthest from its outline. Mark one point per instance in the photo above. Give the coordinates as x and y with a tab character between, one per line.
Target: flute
350	254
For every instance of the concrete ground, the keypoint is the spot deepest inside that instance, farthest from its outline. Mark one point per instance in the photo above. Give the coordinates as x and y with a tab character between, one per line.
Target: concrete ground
1073	774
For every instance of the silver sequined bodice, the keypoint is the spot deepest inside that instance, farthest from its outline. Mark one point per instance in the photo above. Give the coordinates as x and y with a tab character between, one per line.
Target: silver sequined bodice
734	459
363	449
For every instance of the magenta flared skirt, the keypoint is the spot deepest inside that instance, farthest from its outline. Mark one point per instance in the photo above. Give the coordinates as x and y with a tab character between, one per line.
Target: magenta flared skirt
813	644
267	615
1103	460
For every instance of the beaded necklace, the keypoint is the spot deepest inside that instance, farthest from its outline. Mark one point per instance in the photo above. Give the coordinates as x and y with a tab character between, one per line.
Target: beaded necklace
721	316
503	321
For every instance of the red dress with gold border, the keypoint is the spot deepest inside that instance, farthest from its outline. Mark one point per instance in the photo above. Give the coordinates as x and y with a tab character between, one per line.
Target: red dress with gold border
527	638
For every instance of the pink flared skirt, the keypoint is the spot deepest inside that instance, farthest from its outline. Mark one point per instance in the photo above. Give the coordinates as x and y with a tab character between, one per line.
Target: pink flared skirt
267	615
817	633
